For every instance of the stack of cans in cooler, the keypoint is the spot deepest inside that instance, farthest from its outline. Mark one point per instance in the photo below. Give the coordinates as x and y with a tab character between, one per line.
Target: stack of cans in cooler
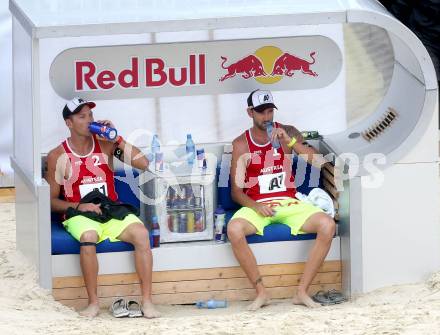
185	214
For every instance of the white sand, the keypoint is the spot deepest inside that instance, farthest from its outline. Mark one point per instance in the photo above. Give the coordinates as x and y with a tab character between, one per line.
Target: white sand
25	308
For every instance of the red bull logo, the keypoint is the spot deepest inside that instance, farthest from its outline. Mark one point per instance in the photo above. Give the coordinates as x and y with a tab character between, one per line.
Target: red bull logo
268	65
195	68
156	73
250	66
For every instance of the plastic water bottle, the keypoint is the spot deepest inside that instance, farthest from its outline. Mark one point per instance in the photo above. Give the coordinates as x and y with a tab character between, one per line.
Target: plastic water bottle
190	149
211	304
158	161
219	222
156	232
155	145
269	129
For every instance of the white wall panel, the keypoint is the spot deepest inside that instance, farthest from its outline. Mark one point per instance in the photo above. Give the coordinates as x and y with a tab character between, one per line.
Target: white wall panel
6	143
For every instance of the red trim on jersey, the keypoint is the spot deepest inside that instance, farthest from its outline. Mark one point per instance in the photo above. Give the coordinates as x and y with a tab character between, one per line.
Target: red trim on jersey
267	175
87	173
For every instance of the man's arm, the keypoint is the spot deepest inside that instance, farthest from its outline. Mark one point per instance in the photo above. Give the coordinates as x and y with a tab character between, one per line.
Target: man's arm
54	179
301	147
57	165
240	156
130	154
124	151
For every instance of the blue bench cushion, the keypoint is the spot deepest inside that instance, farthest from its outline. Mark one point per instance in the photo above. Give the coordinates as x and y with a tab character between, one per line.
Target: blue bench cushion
307	178
273	232
64	243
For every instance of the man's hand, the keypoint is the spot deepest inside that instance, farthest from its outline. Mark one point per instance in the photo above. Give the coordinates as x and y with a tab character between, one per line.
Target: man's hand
263	210
281	135
89	207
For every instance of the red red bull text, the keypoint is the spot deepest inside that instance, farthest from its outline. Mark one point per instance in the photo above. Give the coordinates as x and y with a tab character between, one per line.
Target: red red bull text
157	74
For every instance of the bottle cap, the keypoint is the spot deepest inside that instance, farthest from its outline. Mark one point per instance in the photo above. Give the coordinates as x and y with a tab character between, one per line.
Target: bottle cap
219	210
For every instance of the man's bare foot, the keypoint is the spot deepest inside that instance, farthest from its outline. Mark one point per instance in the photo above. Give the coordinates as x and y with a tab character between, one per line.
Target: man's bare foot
149	310
260	301
302	298
90	311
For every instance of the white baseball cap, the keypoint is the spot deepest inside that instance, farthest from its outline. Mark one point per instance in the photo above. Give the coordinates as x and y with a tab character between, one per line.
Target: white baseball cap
260	100
75	105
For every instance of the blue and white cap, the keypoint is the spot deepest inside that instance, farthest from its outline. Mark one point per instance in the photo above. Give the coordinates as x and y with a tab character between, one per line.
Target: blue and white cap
260	100
75	105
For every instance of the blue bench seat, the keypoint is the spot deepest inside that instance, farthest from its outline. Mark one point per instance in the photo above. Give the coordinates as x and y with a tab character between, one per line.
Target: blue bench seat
276	231
64	243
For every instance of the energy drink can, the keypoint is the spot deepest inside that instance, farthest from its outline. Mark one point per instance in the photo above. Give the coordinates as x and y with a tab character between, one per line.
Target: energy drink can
310	135
190	222
183	220
200	157
171	197
103	130
189	196
175	220
199	224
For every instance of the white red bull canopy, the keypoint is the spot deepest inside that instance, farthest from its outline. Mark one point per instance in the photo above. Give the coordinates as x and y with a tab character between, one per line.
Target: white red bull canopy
180	69
392	126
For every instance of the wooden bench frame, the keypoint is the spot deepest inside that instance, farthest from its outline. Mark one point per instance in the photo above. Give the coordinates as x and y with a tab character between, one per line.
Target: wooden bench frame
188	286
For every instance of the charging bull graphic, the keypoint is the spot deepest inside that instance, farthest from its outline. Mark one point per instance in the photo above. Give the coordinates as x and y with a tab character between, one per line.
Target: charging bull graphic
249	66
286	64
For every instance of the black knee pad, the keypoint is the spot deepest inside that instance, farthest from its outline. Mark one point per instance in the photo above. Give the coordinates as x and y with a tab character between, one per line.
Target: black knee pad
87	244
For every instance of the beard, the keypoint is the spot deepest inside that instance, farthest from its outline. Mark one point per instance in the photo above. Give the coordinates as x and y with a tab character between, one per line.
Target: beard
261	126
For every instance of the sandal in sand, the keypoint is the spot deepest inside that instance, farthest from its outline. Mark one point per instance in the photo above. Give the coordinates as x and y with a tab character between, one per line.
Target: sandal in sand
326	298
134	309
119	308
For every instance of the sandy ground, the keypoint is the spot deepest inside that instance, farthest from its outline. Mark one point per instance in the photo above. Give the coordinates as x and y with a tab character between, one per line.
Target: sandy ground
25	308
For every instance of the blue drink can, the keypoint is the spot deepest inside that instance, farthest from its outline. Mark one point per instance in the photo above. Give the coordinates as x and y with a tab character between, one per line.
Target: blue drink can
103	130
183	222
200	157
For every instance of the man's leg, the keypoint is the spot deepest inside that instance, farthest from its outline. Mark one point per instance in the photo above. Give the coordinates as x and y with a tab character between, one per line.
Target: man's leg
238	229
89	267
137	235
324	226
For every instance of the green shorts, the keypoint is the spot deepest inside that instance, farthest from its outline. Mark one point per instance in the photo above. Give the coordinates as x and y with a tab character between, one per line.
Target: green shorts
291	212
79	224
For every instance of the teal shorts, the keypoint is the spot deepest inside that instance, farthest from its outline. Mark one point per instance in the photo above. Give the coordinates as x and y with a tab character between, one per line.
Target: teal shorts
111	229
291	212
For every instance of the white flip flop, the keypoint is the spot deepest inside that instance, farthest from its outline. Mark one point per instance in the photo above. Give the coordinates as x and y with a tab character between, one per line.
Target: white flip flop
134	309
119	308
